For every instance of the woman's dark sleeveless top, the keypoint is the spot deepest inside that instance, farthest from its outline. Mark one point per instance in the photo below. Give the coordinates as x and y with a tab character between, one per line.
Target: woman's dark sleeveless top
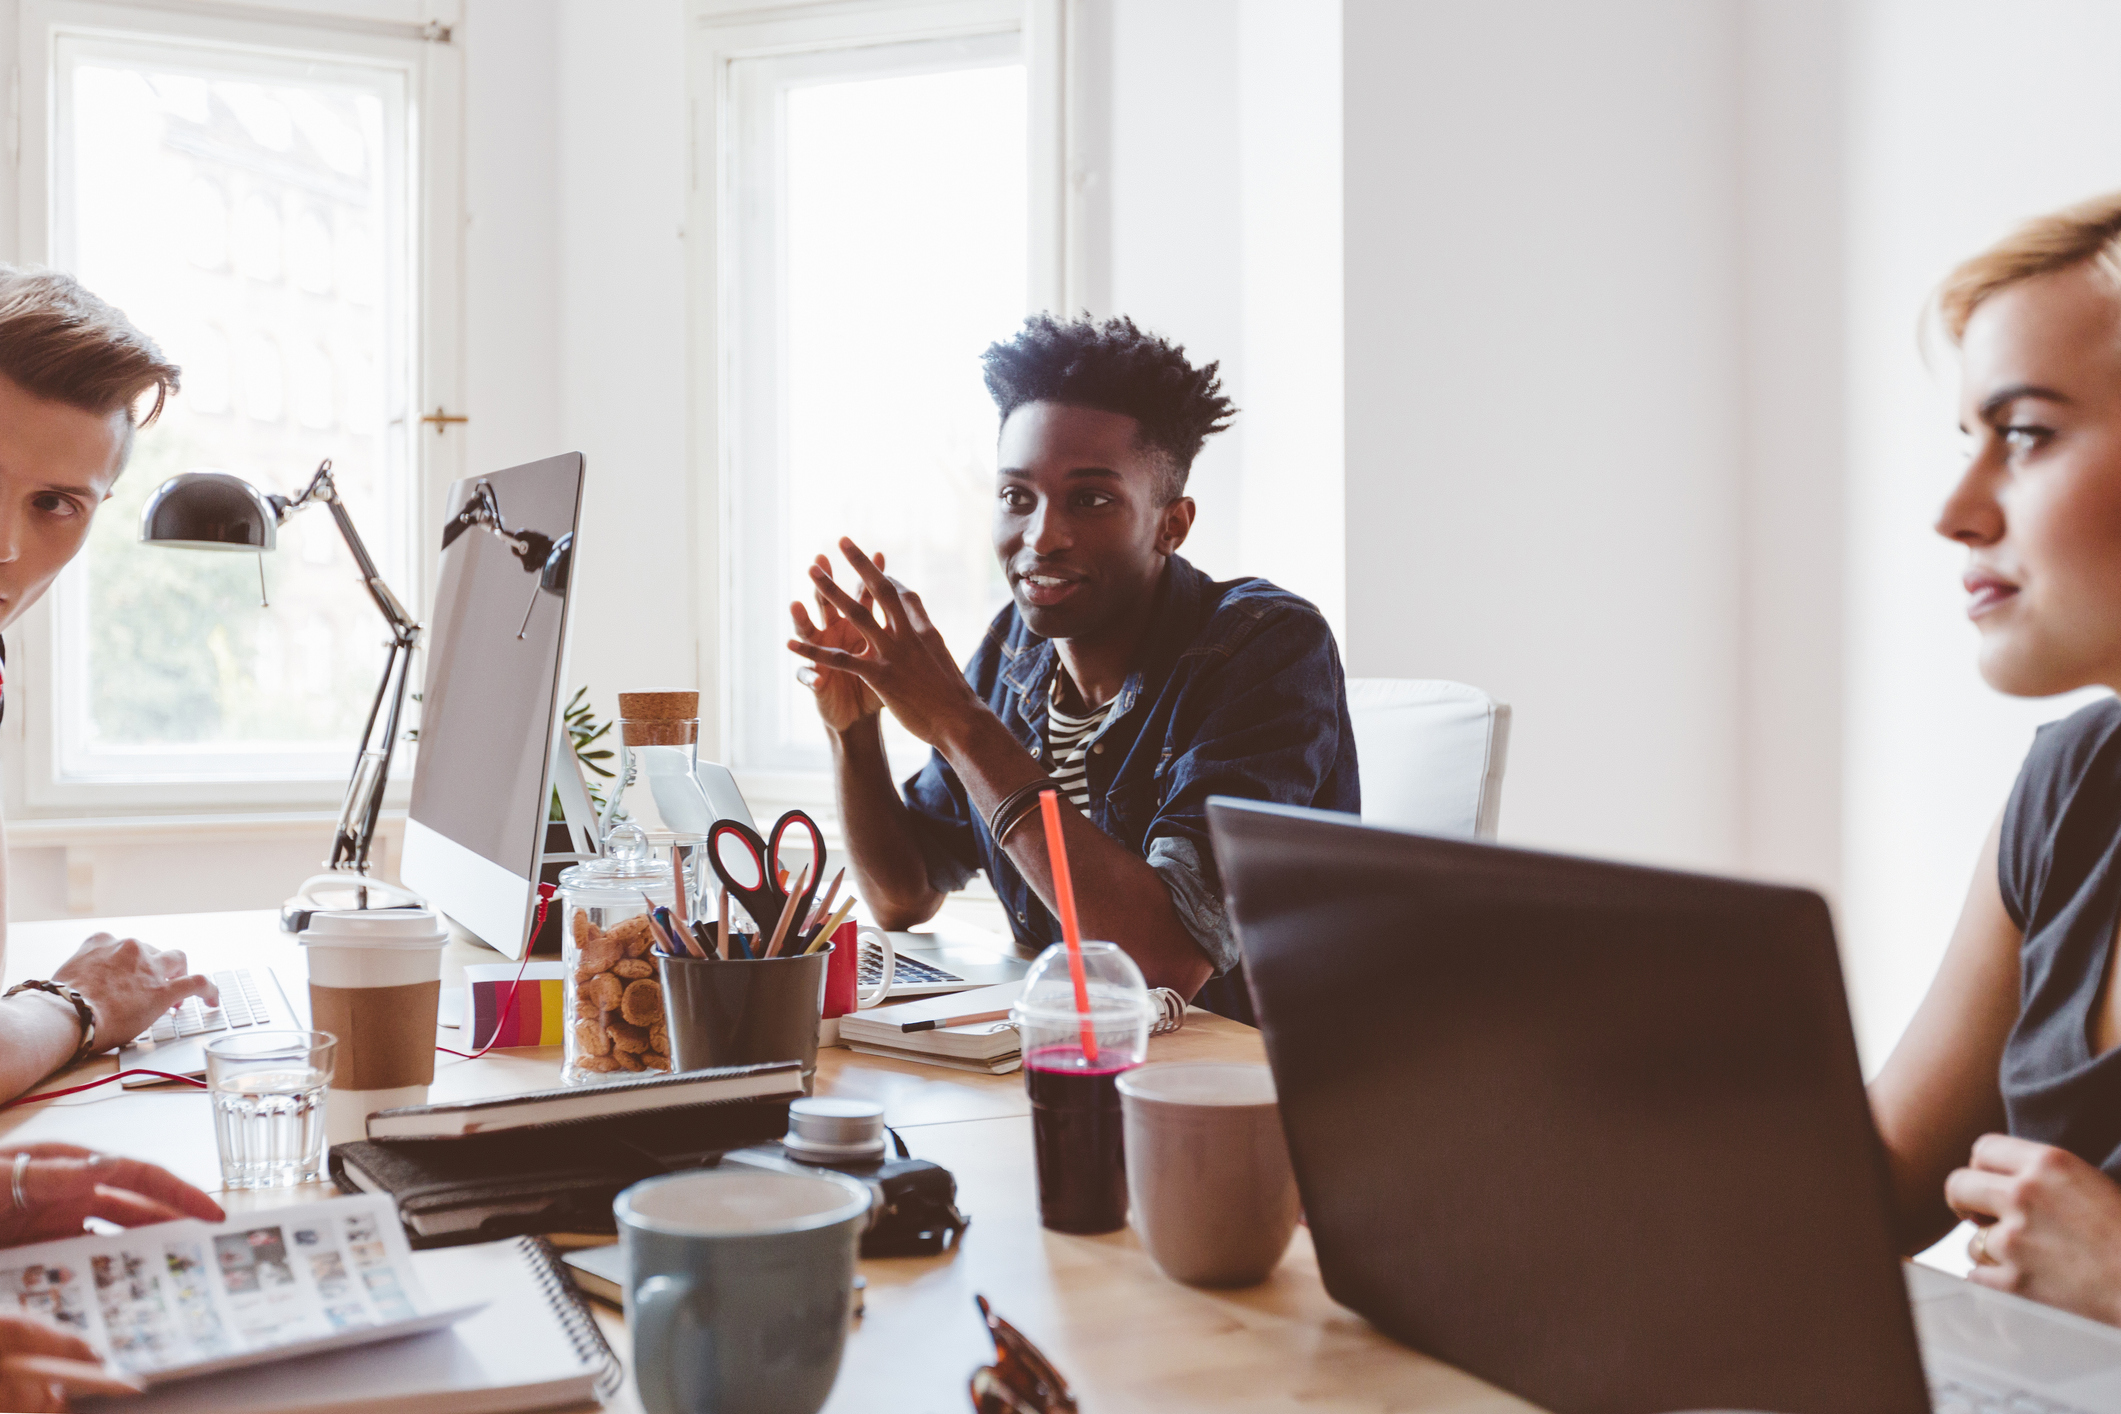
2060	870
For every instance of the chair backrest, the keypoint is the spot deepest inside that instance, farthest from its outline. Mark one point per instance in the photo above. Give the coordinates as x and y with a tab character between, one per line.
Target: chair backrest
1430	754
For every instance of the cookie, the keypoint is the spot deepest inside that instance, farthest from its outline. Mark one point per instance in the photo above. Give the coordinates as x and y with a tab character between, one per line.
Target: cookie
592	1038
627	1040
597	1065
629	1060
659	1038
605	990
599	954
586	1010
636	935
652	1061
633	968
584	930
643	1003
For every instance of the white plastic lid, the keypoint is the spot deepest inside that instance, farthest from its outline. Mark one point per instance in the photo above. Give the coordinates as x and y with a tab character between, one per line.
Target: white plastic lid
375	928
1117	993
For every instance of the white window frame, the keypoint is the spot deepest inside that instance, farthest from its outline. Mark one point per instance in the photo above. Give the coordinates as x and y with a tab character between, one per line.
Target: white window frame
720	33
417	38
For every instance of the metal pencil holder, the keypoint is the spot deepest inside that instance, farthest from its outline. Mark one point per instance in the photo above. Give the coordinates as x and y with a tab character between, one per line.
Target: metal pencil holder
744	1013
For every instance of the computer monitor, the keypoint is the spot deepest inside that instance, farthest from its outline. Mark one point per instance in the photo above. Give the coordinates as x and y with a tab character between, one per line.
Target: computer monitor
491	712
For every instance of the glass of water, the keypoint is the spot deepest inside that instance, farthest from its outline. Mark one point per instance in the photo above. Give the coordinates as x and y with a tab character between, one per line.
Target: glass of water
268	1090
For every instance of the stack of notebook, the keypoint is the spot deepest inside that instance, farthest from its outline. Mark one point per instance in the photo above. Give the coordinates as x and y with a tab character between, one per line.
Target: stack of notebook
553	1160
921	1030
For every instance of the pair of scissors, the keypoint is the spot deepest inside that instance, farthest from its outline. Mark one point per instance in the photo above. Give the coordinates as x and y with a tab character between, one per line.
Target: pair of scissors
758	887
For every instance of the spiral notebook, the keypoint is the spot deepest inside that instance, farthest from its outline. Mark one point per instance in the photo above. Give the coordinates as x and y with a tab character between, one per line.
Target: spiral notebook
534	1346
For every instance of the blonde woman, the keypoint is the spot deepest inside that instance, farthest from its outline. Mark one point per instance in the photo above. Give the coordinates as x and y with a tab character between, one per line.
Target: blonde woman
2002	1103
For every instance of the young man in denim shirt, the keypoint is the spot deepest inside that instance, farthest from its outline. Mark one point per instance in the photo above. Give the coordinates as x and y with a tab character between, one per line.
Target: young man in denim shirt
1120	672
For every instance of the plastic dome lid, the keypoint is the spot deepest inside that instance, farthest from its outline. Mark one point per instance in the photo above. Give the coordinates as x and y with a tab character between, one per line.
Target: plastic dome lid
1118	994
629	866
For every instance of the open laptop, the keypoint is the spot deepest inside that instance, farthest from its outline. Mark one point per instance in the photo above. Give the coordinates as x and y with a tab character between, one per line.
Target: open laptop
1597	1134
252	998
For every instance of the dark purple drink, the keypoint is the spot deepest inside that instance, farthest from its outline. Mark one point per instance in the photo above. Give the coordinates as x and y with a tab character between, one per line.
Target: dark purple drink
1077	1132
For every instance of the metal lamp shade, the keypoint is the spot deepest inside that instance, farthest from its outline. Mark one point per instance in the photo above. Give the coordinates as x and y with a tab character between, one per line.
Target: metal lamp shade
210	510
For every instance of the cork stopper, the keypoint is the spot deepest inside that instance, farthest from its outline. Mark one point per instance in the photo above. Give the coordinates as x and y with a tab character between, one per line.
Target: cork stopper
659	718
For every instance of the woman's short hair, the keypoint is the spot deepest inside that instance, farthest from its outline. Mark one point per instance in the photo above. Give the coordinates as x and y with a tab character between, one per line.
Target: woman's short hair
60	342
2088	233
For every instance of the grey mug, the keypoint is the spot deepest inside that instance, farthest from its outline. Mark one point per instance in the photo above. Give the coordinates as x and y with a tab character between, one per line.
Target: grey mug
739	1288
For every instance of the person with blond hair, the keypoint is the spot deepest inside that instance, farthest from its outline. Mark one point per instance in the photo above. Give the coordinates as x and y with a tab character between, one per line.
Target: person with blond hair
2002	1102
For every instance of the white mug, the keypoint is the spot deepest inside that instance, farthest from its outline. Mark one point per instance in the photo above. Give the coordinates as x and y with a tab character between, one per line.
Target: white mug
864	1000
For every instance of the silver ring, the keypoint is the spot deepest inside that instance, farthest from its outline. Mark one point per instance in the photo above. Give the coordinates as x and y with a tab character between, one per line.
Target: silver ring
1977	1247
15	1185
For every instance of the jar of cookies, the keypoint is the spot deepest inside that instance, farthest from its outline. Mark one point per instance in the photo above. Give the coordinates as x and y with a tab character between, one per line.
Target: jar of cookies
616	1027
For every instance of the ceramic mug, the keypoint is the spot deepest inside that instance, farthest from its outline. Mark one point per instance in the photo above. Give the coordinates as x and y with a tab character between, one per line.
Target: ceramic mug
739	1287
1208	1177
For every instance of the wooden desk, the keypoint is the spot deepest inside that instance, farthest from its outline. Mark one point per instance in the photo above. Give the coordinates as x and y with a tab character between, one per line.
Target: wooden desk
1126	1337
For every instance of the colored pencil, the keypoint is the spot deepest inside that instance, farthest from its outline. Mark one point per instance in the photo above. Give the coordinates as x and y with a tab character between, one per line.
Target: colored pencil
721	924
824	905
677	879
832	925
787	919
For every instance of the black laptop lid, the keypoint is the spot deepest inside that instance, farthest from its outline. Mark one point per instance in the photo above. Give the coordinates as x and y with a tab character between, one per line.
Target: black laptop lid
1594	1133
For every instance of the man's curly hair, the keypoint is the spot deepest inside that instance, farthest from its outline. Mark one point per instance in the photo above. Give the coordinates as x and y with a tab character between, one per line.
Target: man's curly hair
1114	367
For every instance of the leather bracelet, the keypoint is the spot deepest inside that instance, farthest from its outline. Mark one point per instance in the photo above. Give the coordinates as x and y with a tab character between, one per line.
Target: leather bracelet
1013	807
82	1009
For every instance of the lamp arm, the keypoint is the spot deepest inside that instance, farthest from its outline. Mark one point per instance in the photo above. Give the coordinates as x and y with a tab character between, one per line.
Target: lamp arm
404	628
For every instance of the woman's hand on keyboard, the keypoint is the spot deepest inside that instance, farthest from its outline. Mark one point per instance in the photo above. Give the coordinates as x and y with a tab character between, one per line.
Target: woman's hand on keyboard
2051	1225
130	985
65	1183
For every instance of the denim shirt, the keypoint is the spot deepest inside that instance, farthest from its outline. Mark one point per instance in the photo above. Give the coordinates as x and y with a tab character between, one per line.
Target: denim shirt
1238	691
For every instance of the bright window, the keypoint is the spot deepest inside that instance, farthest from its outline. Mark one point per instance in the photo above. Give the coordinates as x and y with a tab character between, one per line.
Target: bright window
881	243
252	212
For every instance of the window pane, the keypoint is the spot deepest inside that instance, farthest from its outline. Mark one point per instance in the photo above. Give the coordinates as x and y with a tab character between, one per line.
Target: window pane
905	250
250	213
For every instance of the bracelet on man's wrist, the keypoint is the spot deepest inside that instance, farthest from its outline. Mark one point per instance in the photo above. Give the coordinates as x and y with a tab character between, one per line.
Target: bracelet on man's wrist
1012	809
84	1011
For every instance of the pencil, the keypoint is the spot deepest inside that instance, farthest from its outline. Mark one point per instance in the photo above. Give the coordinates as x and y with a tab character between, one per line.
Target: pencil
824	905
832	924
968	1020
787	920
677	879
721	925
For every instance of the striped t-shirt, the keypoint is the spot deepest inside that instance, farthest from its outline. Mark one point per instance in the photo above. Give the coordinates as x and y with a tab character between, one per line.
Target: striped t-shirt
1068	740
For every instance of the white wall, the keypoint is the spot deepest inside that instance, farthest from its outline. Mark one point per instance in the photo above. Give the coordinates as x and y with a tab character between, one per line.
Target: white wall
1543	397
1965	117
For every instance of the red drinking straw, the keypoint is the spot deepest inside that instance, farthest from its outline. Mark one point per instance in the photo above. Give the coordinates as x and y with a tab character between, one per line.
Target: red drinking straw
1064	891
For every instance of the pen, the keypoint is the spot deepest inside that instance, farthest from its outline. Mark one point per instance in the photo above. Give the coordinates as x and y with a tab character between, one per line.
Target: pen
977	1016
702	942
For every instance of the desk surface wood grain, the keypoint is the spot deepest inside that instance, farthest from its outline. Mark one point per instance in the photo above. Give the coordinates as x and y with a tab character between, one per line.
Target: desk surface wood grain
1127	1337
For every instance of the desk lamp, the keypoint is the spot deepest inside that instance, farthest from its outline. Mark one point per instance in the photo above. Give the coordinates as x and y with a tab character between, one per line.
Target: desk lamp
213	510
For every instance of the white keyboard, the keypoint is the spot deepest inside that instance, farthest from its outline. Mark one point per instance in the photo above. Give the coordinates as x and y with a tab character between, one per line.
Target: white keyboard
1958	1396
241	1005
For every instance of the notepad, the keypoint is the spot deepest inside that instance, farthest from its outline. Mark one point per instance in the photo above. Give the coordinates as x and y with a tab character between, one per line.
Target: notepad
991	1046
534	1346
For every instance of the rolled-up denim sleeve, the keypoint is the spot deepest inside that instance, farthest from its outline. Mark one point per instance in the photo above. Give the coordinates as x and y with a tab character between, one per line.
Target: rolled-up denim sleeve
942	825
1197	895
1273	733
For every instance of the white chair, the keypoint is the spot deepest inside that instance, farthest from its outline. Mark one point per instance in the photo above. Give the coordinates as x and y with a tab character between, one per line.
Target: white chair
1430	754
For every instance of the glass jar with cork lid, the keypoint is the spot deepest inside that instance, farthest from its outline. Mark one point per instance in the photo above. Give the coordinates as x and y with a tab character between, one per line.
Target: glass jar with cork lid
659	787
616	1025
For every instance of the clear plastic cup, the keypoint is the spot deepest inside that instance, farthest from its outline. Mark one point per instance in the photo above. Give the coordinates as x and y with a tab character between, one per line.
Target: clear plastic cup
268	1093
1072	1062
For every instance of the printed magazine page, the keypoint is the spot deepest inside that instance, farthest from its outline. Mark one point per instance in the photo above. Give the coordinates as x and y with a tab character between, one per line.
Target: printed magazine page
179	1298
